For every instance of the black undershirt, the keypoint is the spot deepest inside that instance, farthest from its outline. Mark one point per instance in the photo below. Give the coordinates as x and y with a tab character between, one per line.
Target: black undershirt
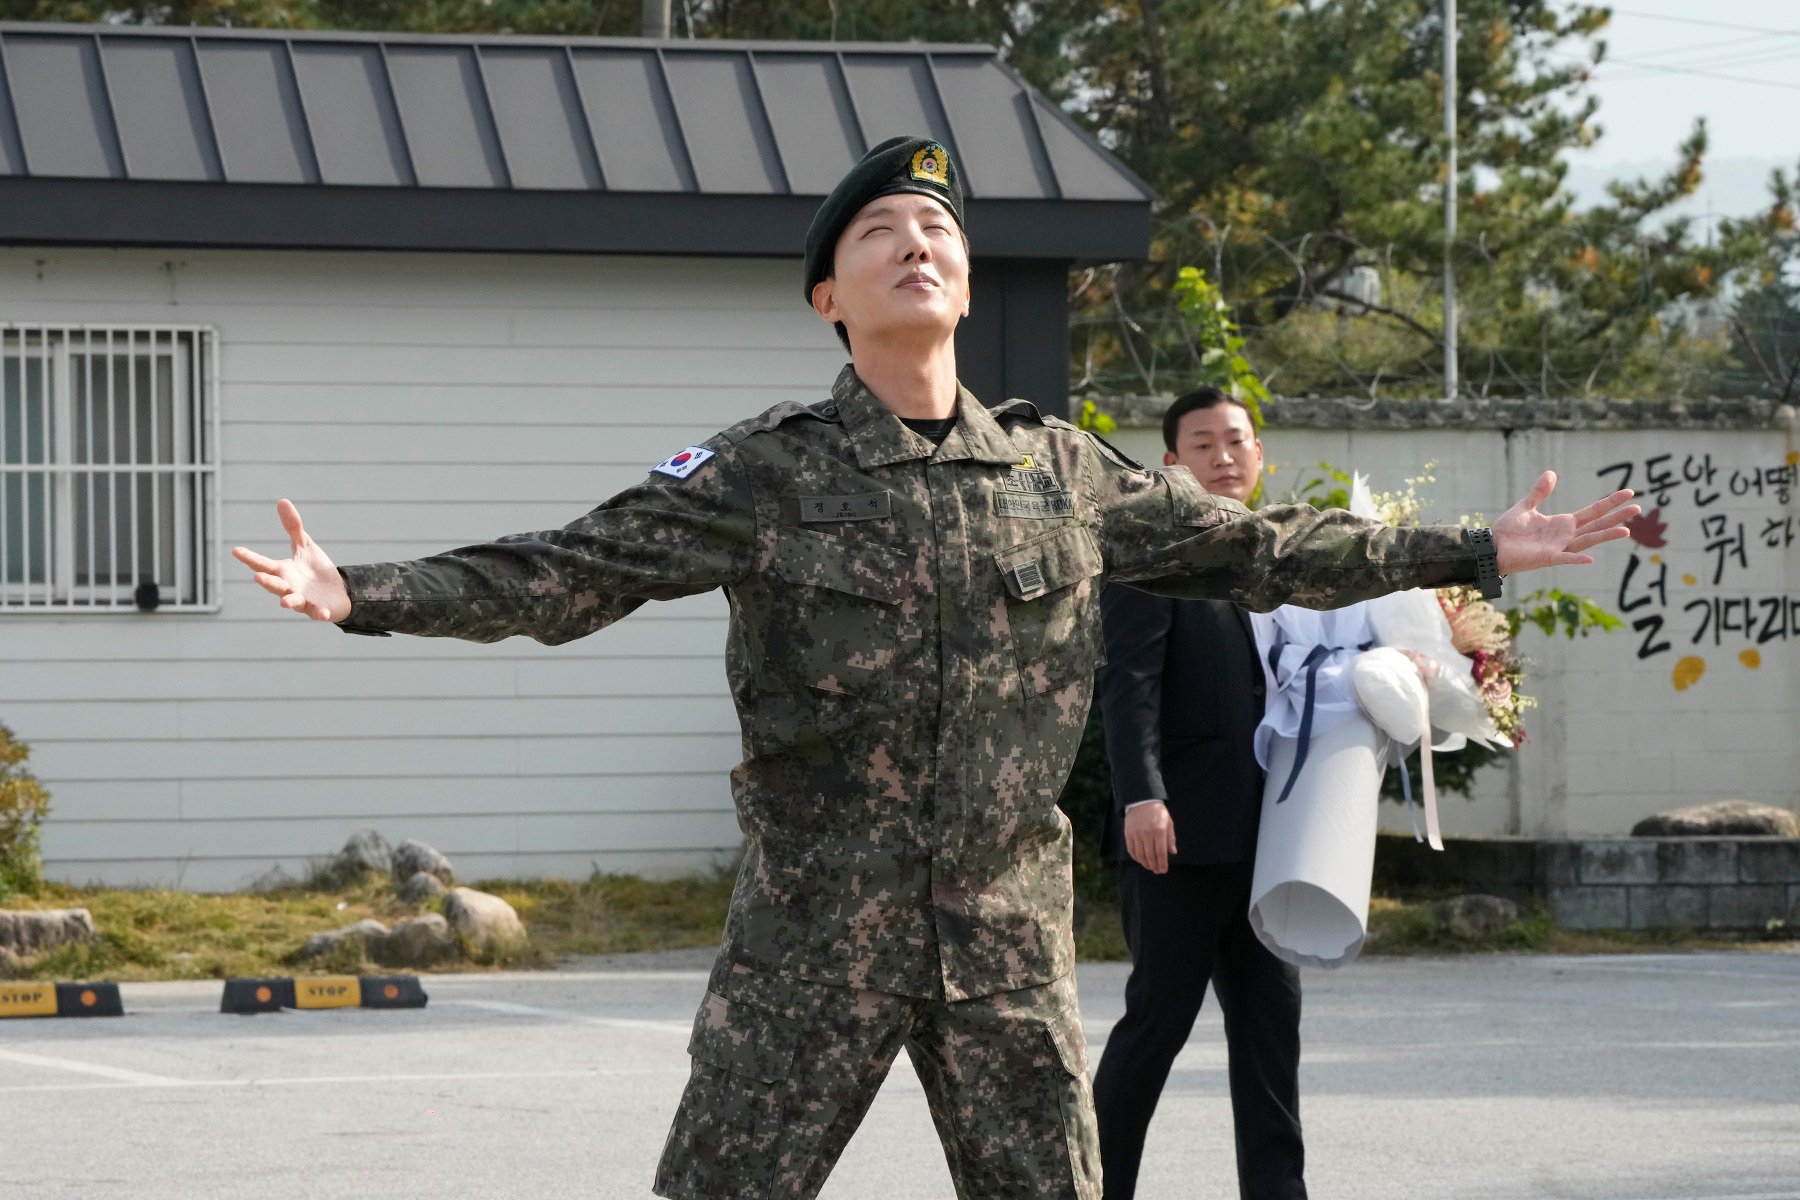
932	429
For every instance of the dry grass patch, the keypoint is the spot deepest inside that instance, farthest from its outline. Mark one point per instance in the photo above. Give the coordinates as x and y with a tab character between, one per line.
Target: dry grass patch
619	914
146	935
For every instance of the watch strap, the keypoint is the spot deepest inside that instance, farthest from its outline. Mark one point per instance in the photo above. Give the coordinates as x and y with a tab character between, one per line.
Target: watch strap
1487	563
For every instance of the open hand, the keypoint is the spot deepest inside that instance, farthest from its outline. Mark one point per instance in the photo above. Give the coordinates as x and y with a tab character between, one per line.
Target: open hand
307	581
1150	835
1526	539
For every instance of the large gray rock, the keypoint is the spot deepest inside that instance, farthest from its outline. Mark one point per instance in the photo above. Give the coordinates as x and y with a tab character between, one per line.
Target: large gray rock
485	922
1726	818
366	931
419	942
23	933
367	852
412	857
1474	918
422	888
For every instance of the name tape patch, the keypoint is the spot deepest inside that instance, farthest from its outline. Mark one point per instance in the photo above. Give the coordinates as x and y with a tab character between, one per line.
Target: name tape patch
1034	508
680	466
870	506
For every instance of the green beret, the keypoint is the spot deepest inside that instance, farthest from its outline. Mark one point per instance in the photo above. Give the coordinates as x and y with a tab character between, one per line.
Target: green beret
902	164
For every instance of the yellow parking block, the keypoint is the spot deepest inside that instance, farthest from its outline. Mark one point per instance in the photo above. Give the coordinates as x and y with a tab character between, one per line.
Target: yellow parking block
249	996
328	991
60	1000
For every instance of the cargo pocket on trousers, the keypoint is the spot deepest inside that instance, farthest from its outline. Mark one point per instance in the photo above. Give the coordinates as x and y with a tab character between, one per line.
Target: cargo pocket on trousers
727	1135
1080	1133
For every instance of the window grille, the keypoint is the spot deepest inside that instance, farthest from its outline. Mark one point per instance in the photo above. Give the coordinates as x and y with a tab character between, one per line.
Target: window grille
109	484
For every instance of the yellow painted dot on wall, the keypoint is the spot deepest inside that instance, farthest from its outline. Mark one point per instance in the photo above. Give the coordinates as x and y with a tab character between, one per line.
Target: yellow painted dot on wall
1689	580
1688	672
1656	558
1750	658
1793	457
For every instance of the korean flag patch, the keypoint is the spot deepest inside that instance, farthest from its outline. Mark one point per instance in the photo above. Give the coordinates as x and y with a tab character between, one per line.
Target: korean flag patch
680	466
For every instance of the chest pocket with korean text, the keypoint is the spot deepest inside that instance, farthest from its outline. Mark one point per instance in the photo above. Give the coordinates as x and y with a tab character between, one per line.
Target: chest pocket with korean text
839	628
1052	587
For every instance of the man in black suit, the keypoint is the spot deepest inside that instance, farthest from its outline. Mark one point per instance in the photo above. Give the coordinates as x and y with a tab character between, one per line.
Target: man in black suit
1181	694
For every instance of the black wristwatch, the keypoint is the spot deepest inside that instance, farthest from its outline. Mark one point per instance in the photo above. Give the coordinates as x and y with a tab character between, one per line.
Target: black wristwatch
1487	563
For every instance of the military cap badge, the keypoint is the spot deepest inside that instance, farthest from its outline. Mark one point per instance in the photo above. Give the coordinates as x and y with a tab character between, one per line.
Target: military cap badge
931	165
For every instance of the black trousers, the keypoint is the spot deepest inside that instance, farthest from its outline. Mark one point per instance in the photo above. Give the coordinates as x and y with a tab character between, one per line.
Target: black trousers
1184	928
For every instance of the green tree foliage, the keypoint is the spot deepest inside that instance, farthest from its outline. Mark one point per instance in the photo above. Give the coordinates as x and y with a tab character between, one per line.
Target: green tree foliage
1299	148
23	806
1765	321
1214	342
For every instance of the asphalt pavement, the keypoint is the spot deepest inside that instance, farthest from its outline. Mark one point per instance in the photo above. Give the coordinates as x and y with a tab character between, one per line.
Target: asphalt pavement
1670	1077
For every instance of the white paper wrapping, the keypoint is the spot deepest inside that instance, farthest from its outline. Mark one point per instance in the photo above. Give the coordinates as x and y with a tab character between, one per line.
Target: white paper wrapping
1315	853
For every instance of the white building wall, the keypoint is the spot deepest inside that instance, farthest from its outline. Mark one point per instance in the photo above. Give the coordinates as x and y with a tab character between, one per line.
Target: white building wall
407	403
1624	729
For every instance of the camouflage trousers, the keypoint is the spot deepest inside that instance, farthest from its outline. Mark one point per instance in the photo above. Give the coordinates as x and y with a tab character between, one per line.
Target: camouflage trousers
784	1071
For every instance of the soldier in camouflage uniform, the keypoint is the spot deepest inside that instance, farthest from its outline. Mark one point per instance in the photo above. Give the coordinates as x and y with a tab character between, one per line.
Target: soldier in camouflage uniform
914	583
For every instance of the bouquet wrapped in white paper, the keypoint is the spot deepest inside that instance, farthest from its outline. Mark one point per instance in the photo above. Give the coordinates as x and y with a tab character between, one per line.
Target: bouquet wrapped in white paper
1351	690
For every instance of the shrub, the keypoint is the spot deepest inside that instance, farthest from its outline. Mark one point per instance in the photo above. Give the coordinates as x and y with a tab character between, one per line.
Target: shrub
23	805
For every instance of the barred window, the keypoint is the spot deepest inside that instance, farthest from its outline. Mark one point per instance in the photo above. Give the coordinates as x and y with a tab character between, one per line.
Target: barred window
108	468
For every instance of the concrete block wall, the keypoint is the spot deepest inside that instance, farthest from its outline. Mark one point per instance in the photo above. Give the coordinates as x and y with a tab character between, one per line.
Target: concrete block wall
1726	884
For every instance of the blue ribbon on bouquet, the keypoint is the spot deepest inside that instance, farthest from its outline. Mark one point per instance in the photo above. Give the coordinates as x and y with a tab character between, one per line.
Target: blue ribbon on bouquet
1315	658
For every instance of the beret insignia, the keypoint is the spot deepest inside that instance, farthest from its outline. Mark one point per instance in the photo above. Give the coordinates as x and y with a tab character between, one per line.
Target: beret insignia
930	165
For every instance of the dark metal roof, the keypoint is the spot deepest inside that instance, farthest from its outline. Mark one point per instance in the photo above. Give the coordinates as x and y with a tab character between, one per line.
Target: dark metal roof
236	137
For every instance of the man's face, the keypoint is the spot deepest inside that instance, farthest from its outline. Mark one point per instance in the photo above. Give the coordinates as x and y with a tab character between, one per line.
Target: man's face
1219	446
900	271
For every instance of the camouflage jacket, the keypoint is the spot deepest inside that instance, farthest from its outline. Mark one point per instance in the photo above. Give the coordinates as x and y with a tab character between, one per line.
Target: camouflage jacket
913	639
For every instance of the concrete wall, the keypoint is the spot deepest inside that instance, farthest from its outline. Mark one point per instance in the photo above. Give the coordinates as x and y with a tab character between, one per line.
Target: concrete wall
407	403
1699	699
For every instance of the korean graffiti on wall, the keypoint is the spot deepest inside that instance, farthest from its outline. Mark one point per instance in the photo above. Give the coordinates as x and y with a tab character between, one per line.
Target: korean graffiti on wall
1694	587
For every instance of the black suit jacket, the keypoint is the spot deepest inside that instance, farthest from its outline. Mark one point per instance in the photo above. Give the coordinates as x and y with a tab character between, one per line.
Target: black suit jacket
1180	696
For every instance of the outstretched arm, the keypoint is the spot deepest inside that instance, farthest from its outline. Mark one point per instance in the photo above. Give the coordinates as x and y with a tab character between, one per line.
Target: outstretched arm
664	538
1163	532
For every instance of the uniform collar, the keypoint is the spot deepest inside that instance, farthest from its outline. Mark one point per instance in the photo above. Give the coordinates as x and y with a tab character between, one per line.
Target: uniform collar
880	439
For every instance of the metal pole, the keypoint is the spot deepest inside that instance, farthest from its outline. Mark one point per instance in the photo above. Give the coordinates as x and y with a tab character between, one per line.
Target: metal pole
656	18
1449	199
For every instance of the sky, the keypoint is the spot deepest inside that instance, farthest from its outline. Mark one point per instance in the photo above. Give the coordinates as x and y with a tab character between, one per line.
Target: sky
1668	62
